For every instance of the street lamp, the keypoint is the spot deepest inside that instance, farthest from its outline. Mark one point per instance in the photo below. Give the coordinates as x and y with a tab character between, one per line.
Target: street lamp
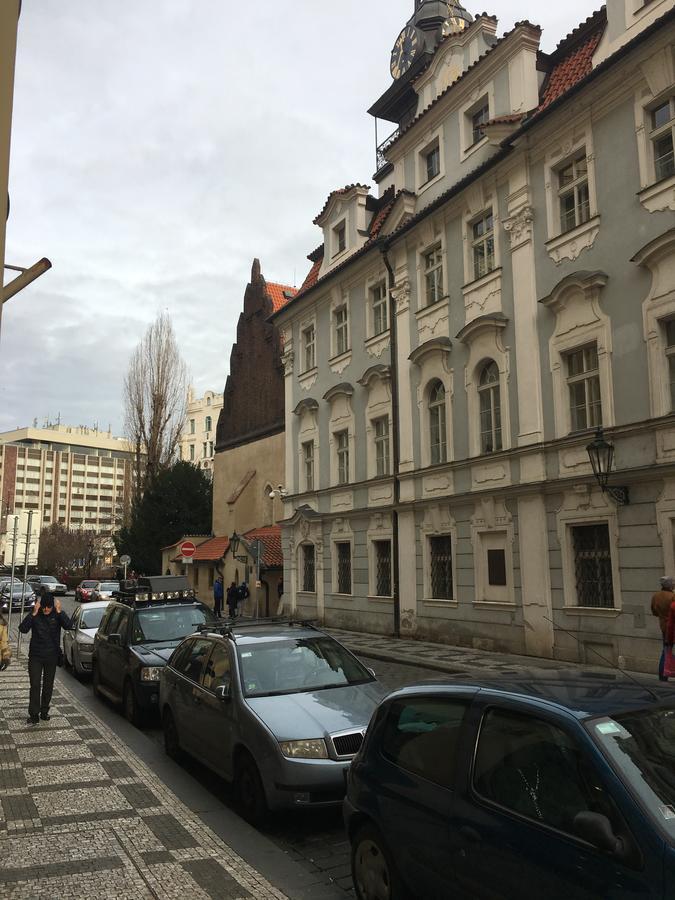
601	455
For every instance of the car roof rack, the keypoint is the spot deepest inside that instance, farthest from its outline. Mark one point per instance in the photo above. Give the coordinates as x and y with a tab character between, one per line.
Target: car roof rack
225	627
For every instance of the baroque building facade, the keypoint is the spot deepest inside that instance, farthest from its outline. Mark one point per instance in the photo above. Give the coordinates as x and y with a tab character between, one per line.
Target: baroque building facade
197	441
463	333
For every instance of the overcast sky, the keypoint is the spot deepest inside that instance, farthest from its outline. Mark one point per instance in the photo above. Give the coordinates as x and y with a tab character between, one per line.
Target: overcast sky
158	146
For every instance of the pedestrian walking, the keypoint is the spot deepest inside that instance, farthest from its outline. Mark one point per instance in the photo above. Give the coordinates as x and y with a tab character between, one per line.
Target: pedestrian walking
243	594
5	651
232	597
45	622
218	595
662	602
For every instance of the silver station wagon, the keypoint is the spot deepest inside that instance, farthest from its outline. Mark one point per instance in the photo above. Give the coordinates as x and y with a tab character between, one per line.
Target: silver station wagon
278	709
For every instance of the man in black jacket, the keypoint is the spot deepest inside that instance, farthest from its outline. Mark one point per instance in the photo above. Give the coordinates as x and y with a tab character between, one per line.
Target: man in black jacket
45	622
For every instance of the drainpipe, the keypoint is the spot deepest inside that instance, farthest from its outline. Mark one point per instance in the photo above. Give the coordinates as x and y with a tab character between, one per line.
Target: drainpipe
396	452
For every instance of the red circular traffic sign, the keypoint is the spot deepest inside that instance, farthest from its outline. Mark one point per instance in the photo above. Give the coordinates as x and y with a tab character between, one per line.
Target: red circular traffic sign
187	549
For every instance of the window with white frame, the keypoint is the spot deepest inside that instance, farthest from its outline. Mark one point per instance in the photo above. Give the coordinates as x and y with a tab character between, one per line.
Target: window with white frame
592	565
308	464
308	568
309	348
440	565
381	429
341	327
489	397
438	441
431	160
382	551
342	451
669	328
662	137
205	449
583	380
339	238
573	192
479	117
207	423
192	452
343	566
379	308
483	244
433	275
192	426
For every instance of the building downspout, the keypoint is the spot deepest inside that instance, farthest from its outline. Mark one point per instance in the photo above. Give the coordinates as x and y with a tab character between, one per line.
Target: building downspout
395	456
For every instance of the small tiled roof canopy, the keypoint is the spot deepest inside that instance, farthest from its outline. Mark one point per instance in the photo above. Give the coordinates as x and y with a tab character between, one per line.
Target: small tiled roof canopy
273	557
213	550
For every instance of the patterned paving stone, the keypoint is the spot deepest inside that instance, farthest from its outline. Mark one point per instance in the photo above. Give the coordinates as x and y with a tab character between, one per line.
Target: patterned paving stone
80	800
214	880
42	734
34	756
47	775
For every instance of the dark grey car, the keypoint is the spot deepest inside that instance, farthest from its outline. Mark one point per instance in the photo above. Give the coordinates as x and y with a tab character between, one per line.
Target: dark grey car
278	709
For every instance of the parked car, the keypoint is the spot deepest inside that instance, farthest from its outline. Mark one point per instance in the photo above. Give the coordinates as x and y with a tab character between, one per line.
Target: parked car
136	637
104	590
78	643
52	584
555	784
19	590
279	709
84	589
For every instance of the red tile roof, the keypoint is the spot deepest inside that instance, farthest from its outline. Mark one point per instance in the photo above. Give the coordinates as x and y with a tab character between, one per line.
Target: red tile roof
570	69
513	118
213	550
280	294
338	193
312	276
273	556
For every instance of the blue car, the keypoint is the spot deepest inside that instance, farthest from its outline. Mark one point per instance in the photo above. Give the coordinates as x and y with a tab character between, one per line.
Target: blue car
547	786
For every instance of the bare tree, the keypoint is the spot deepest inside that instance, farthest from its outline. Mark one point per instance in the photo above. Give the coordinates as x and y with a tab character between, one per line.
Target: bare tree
155	400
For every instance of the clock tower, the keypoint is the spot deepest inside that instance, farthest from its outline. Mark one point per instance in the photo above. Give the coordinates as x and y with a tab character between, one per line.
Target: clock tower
430	23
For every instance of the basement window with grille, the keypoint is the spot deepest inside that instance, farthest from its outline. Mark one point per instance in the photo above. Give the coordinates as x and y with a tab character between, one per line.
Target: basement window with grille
593	566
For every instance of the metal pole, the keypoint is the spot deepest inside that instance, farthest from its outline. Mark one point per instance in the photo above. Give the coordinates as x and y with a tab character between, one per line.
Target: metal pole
125	571
11	580
25	575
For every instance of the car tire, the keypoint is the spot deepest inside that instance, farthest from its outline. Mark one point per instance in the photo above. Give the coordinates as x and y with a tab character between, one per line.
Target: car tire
249	791
373	871
172	746
67	664
130	707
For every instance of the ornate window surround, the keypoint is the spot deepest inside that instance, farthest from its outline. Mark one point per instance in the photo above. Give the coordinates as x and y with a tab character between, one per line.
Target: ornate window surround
659	82
491	517
341	419
438	521
307	412
575	302
433	360
377	382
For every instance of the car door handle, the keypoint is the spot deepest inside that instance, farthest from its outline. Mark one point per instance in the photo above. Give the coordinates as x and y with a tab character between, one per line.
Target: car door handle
470	834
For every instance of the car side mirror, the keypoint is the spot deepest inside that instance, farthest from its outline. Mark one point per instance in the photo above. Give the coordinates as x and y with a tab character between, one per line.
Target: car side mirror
115	640
224	692
371	671
597	830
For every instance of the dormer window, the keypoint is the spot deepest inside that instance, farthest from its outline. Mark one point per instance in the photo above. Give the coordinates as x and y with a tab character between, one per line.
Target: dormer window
339	238
479	117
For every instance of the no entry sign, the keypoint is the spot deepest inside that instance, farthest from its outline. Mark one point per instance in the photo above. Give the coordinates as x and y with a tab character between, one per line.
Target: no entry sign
187	549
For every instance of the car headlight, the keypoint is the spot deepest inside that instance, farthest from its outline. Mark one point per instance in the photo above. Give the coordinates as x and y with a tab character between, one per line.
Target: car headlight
315	749
151	673
85	646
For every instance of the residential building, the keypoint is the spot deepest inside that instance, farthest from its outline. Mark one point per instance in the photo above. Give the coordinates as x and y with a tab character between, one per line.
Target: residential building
461	336
197	442
76	476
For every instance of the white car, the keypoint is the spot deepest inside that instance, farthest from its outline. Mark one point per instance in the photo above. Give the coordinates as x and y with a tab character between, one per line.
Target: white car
52	584
78	643
104	590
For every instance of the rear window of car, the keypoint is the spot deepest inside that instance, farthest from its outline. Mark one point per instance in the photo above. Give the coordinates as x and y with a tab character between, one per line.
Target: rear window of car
89	584
109	586
48	579
421	735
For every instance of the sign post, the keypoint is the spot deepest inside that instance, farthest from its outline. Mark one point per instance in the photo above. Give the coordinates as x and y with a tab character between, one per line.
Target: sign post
25	576
15	537
187	550
125	560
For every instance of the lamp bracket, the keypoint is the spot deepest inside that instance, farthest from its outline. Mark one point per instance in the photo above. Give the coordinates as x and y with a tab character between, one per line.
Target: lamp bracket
618	494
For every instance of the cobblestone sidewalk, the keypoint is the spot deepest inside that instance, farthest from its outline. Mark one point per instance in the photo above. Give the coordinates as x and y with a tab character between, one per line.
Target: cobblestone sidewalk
82	816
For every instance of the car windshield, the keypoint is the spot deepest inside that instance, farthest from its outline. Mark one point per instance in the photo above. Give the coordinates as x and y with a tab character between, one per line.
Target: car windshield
17	587
48	579
91	618
157	624
109	586
641	745
294	666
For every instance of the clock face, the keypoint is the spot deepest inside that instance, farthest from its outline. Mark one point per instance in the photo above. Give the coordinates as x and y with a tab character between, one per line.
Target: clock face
405	50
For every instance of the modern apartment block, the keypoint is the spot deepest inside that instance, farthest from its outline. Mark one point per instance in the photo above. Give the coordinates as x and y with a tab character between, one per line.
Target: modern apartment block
197	443
77	476
466	328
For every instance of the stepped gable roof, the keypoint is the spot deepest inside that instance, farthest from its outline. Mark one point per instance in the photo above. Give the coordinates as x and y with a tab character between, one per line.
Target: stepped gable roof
339	193
572	59
273	556
498	42
213	550
280	294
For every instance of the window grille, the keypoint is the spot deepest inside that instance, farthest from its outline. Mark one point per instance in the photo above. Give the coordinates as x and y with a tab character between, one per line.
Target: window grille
593	566
308	568
575	204
441	567
583	379
344	567
382	568
490	409
483	245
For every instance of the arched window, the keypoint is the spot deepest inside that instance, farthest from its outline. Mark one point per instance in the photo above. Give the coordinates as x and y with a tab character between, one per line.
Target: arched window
437	427
490	409
208	423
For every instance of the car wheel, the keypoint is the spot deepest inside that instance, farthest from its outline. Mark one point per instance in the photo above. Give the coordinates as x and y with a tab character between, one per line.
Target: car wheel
249	791
67	664
172	746
373	871
130	706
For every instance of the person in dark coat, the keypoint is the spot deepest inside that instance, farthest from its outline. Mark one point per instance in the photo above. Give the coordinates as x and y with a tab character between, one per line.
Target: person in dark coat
44	622
218	595
232	599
